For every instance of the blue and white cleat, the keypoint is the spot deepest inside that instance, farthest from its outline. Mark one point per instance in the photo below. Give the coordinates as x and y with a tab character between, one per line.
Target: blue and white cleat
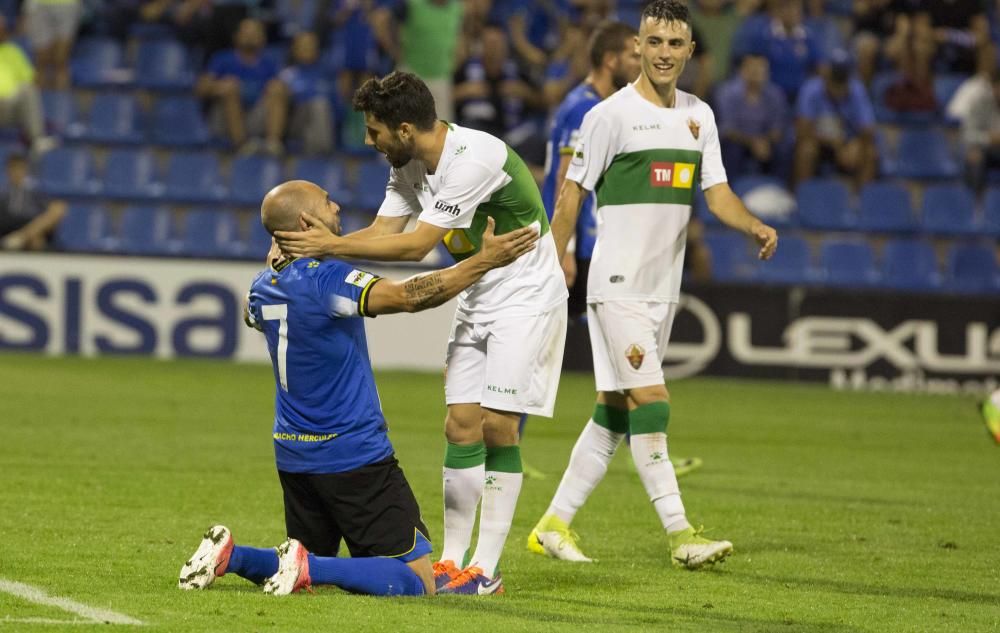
472	582
209	561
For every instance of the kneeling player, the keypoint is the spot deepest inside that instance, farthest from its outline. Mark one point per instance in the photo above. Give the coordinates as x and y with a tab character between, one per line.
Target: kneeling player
338	473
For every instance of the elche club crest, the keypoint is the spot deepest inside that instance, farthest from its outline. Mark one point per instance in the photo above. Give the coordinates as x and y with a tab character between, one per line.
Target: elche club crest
635	354
695	128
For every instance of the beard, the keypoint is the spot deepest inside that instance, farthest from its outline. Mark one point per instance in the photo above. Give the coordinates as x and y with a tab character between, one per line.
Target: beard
399	155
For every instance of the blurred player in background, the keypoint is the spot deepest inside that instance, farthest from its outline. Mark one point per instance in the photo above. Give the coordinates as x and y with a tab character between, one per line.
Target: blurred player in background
505	351
337	468
990	408
641	151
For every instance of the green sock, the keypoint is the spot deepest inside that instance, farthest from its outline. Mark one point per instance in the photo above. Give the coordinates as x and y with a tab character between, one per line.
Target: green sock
611	418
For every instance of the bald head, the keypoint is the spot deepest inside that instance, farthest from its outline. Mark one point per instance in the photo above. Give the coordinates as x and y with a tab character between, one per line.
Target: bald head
284	204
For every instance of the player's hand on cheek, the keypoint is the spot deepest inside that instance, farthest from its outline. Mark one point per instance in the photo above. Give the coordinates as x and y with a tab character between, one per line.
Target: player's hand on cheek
314	240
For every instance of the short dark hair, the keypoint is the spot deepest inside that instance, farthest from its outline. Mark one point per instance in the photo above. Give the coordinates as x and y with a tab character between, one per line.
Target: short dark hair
395	99
608	38
666	11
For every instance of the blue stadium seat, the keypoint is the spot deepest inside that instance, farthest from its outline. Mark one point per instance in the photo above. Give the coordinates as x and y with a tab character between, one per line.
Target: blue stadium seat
790	264
163	65
98	62
945	87
328	174
991	211
193	177
909	264
949	210
972	268
252	177
131	174
848	263
825	204
766	197
178	121
113	118
258	242
146	231
925	154
210	233
69	172
700	209
61	113
369	191
84	228
885	206
730	255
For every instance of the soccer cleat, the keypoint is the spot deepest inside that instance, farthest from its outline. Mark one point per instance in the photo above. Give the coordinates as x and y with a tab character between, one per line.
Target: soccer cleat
552	537
471	582
293	570
209	561
991	416
689	549
685	465
444	572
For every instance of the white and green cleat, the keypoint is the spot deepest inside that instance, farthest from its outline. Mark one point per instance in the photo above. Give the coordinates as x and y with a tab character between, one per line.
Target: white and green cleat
552	537
691	550
209	561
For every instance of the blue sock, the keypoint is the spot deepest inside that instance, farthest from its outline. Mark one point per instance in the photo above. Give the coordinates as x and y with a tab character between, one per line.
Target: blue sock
375	576
520	425
253	563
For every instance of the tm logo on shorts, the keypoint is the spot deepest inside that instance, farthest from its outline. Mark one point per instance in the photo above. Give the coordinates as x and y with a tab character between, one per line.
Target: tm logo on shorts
677	175
635	354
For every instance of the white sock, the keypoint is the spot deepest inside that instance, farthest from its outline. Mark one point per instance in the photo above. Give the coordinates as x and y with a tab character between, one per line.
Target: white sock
588	463
463	487
995	398
649	452
499	501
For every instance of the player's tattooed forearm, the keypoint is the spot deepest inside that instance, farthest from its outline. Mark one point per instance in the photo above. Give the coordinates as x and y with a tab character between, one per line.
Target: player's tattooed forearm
425	291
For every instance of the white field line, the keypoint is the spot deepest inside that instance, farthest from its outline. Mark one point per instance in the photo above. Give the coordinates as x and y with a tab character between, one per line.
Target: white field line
36	595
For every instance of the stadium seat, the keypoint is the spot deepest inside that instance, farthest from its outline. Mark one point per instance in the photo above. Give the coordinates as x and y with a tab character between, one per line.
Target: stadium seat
328	174
768	198
252	177
61	113
848	263
68	171
949	210
98	62
972	268
113	118
258	242
193	177
825	204
885	206
210	233
730	256
131	174
163	65
909	264
991	211
945	87
369	191
178	121
924	154
84	228
790	264
146	231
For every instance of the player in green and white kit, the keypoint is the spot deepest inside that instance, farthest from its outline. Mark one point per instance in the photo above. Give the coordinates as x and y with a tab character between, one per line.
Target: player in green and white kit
505	350
642	151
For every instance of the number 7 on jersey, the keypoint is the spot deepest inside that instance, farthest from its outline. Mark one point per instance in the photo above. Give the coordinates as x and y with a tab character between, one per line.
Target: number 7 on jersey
279	312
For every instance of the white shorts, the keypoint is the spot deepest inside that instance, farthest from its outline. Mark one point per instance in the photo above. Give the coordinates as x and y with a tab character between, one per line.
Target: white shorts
47	24
511	364
629	341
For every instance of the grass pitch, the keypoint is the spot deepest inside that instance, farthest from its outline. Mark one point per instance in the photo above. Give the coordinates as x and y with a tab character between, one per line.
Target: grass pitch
849	512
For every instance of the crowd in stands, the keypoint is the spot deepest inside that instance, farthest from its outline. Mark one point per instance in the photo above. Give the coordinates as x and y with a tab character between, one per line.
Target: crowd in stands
830	111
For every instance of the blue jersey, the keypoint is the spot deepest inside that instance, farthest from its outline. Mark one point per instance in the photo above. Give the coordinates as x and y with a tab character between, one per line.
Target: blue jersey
327	415
562	139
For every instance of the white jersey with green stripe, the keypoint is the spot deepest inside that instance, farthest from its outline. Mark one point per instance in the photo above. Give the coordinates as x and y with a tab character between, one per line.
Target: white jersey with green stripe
479	176
643	161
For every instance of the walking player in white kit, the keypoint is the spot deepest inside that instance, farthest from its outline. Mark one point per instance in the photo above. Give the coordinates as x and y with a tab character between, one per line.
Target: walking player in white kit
642	150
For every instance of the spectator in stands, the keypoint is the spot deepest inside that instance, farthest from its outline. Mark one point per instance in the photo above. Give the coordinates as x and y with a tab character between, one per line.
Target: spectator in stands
752	116
981	133
699	73
234	84
567	67
875	26
790	47
20	101
422	36
969	90
835	122
960	27
494	95
912	89
209	24
26	218
300	100
51	27
717	22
